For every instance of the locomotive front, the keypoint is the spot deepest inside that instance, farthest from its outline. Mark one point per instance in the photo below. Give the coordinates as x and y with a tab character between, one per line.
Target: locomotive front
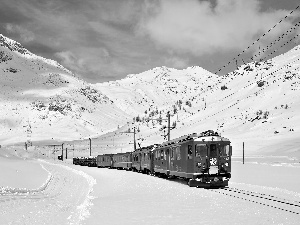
212	163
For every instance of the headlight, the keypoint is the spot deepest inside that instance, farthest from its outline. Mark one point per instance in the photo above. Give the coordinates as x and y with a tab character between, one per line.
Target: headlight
199	164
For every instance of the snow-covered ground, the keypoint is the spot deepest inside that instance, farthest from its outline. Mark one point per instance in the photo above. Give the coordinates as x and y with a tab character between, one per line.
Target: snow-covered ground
69	194
42	192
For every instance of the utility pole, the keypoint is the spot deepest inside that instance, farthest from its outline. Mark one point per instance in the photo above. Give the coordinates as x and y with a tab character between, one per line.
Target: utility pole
134	141
243	153
90	146
62	152
168	135
169	126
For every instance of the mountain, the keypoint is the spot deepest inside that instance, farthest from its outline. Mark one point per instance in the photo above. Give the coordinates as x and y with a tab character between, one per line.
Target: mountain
41	99
257	104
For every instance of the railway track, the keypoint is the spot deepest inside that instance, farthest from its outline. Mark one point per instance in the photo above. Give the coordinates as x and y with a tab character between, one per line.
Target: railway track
268	200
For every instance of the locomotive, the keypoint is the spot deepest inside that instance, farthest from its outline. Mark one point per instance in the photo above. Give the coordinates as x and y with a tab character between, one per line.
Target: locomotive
203	160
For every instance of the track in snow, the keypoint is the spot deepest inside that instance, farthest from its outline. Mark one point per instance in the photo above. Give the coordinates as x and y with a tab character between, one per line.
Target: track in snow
262	199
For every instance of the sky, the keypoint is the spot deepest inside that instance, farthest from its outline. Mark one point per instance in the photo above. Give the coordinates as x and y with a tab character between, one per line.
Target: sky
105	40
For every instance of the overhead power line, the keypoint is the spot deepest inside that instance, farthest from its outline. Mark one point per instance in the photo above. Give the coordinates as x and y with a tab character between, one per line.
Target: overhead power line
246	49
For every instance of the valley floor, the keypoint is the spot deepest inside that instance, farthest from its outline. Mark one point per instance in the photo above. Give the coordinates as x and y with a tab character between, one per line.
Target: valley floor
265	190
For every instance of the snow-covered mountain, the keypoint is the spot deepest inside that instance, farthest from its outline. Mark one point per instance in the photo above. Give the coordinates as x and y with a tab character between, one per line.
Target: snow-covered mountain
40	99
257	104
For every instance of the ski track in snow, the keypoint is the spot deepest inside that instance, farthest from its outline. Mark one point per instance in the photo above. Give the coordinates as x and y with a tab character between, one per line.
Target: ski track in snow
65	198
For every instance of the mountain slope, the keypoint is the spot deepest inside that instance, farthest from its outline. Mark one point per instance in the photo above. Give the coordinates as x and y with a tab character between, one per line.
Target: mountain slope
258	104
40	99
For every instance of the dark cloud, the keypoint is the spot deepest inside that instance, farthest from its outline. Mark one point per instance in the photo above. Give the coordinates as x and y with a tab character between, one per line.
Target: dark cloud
10	13
108	39
192	26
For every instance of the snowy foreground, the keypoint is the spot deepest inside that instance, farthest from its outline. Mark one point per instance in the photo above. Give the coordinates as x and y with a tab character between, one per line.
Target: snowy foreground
52	192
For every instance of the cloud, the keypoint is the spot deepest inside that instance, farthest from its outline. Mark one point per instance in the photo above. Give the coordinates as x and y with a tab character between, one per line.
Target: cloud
199	28
108	39
69	59
176	62
25	35
83	60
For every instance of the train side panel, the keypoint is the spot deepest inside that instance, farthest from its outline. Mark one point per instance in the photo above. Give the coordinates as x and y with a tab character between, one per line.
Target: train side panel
181	159
122	161
147	161
105	160
161	160
136	160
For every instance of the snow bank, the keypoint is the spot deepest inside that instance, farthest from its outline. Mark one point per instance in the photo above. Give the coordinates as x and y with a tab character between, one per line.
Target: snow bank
65	198
20	174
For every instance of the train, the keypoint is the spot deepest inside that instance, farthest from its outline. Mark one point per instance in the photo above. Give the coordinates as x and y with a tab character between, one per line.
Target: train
85	161
203	160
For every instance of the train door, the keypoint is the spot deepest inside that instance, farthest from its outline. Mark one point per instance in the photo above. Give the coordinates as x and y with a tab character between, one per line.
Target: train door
189	157
140	161
172	156
201	158
213	159
111	161
168	158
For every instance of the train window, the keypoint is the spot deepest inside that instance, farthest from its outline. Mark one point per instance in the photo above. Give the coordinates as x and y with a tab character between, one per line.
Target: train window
178	155
227	150
201	150
224	150
166	152
172	153
190	152
161	154
213	150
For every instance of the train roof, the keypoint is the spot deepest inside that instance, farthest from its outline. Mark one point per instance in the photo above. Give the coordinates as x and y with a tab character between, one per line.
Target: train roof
212	139
122	153
208	135
150	147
